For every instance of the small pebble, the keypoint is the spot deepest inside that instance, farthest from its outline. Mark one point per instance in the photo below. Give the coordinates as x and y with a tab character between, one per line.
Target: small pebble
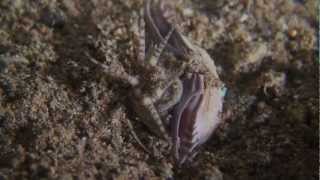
293	33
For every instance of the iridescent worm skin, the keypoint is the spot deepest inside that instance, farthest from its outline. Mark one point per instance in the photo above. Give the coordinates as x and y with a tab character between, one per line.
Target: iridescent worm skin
195	117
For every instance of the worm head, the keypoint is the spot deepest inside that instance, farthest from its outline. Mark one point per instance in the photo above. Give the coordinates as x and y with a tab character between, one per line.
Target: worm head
195	117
